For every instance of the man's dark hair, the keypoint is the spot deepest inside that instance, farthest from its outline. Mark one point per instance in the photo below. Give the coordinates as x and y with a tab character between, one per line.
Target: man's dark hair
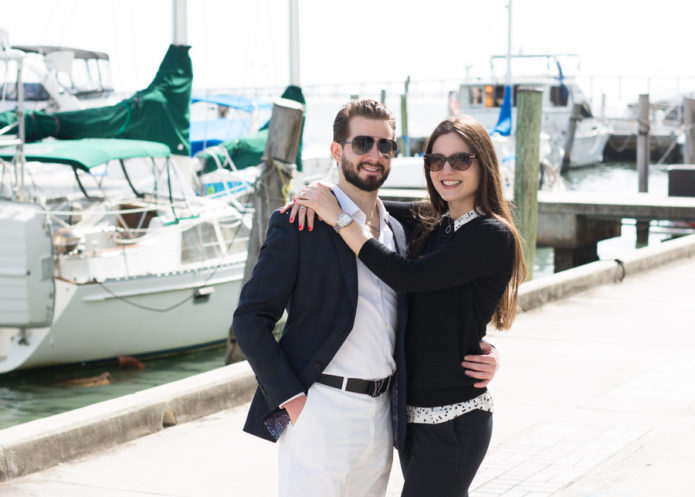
371	109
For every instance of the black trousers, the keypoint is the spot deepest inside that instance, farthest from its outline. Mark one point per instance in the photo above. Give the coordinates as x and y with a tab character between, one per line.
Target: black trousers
442	459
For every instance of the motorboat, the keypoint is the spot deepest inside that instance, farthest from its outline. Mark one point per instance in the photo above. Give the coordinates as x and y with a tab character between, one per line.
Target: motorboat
666	130
563	100
59	78
107	251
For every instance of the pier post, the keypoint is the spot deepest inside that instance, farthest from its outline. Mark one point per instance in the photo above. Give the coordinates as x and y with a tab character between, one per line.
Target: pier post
576	110
643	161
528	132
382	97
689	121
404	119
272	185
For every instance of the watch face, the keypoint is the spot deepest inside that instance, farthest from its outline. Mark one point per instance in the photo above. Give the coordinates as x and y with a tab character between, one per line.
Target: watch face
343	220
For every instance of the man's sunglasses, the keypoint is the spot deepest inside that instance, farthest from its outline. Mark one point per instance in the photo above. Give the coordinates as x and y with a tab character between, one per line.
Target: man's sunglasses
363	144
459	161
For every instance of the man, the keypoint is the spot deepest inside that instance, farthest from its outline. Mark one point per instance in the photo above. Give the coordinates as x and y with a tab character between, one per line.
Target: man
323	388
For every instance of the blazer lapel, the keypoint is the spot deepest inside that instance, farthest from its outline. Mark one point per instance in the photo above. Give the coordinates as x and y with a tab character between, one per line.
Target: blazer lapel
348	263
398	235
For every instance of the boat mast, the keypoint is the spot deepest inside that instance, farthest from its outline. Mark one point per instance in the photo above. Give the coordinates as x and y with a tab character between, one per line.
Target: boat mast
508	78
22	133
179	22
294	42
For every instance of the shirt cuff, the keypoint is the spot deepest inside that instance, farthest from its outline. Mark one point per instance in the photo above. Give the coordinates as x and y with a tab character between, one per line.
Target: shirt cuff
282	406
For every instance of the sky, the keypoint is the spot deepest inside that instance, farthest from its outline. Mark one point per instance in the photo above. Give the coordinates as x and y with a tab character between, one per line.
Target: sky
244	43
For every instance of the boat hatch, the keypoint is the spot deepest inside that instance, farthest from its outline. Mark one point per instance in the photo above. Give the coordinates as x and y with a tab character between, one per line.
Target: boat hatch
26	266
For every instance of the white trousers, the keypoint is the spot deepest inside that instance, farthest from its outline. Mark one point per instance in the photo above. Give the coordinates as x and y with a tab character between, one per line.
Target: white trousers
341	446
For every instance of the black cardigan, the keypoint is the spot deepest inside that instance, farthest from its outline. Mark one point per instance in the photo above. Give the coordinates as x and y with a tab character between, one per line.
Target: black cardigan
453	290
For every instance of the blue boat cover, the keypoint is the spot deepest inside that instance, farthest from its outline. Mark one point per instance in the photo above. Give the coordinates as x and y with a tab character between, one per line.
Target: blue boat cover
504	121
240	102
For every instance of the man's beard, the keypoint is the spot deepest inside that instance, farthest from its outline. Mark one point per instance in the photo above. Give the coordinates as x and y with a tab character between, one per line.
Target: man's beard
369	184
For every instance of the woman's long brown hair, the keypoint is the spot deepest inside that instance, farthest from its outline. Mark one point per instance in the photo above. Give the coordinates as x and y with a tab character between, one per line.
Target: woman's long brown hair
489	201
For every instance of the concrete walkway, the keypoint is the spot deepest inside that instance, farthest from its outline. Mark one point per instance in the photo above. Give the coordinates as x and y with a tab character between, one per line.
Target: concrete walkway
595	397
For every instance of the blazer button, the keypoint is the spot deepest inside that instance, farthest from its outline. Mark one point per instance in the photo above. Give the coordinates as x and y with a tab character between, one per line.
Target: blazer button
344	332
318	366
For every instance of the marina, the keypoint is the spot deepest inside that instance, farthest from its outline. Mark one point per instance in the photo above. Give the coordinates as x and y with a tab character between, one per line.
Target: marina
34	394
129	221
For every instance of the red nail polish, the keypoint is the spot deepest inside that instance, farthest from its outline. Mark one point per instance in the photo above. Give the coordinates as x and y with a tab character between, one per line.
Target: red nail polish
310	228
291	219
300	226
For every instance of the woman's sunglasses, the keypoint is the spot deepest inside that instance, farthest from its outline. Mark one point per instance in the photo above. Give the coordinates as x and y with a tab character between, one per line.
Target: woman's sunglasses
363	144
459	161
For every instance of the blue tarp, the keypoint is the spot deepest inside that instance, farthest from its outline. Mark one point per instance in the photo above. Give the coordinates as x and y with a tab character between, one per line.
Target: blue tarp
504	121
215	131
239	102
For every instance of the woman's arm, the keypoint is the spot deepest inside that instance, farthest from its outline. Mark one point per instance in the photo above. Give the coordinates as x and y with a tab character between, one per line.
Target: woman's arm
482	249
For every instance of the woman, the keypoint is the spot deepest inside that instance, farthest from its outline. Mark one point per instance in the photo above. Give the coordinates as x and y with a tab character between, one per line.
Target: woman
463	271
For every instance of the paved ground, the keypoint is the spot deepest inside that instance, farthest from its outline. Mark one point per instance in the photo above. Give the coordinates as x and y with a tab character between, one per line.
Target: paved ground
595	398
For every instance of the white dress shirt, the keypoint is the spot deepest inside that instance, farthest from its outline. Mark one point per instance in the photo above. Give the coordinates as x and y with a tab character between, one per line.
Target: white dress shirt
367	352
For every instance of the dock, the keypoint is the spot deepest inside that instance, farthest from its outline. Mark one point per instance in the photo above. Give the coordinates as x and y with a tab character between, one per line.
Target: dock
572	223
595	396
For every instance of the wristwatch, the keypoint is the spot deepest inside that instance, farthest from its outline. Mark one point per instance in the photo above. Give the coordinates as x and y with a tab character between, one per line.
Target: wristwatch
344	219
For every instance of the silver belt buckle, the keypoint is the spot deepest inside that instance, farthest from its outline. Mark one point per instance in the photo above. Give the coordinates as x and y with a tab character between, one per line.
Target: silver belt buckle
377	387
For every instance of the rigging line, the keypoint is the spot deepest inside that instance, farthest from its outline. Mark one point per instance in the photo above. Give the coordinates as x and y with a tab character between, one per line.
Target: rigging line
670	148
178	304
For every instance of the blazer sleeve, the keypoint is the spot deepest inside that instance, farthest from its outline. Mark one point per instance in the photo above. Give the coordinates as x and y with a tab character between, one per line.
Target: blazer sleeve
475	251
261	304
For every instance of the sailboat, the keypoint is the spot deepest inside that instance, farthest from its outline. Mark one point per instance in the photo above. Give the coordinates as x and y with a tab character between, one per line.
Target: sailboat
106	250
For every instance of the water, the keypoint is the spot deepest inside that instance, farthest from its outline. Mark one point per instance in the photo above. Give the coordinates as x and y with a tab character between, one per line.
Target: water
33	394
603	178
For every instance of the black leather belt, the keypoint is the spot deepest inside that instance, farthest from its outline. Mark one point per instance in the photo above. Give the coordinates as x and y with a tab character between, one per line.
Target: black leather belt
373	388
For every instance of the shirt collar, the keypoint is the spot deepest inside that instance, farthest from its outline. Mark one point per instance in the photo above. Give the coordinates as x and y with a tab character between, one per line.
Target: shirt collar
464	218
351	207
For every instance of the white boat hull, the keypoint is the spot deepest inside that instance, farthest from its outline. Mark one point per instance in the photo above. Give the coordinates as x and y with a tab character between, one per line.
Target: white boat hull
98	321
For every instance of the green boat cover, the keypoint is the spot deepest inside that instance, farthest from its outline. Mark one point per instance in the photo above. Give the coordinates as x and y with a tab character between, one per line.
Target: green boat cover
160	113
88	153
248	150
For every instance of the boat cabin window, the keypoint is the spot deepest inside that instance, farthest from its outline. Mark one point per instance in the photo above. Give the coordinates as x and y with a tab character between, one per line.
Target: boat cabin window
235	235
559	95
475	95
489	95
199	243
33	92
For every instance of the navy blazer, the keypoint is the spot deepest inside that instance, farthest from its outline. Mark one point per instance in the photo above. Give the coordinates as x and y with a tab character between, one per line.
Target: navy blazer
313	275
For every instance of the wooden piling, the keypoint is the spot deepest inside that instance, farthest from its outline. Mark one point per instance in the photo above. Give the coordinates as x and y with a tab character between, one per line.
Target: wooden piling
643	161
272	184
528	132
574	117
404	126
689	121
382	97
404	120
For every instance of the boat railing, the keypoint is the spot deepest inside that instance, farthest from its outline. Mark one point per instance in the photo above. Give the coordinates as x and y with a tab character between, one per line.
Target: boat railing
80	231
